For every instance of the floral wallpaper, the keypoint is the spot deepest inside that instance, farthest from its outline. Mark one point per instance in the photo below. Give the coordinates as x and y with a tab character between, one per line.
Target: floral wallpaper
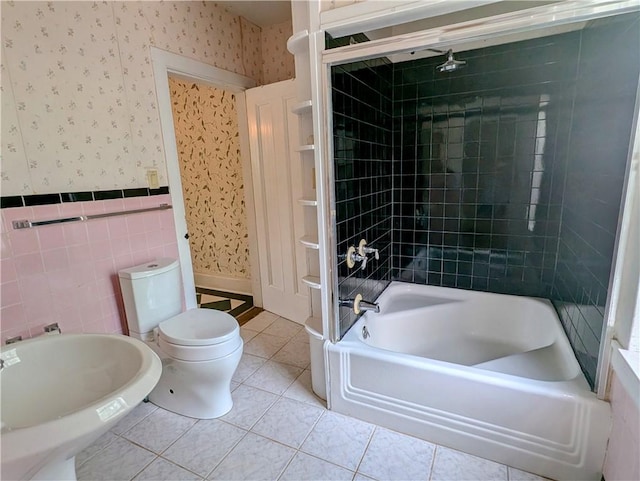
79	105
277	62
206	124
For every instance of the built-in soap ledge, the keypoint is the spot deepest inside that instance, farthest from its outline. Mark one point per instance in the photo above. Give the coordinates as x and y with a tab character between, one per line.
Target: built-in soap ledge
308	202
306	148
310	242
297	42
302	107
312	281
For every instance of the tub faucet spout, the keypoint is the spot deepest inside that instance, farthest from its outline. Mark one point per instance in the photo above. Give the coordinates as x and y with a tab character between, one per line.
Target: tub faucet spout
359	304
369	306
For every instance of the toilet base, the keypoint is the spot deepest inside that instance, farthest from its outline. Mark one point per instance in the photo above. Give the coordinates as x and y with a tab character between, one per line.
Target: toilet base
197	389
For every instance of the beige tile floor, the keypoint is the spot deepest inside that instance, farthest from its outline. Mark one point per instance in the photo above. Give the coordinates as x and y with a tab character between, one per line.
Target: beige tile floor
277	430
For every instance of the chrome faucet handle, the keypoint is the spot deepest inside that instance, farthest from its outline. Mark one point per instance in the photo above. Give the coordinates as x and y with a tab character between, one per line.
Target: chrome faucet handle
353	257
363	250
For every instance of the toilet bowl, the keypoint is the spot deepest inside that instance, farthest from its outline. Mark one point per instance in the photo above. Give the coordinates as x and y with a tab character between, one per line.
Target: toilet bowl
200	349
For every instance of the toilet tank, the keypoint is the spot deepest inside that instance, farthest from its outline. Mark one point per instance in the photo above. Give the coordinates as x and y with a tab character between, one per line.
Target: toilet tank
152	293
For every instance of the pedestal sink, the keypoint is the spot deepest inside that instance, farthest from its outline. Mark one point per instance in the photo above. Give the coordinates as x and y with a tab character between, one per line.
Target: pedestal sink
61	392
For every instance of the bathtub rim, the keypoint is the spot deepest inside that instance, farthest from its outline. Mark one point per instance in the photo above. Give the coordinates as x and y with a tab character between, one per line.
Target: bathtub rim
352	340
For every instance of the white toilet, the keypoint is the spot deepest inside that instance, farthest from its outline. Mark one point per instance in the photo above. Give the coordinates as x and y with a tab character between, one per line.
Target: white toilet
200	348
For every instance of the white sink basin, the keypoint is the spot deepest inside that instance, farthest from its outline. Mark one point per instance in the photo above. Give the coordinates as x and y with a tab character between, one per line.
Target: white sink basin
61	392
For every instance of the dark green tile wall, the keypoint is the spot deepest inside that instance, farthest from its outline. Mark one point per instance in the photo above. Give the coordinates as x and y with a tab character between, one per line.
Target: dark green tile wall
506	176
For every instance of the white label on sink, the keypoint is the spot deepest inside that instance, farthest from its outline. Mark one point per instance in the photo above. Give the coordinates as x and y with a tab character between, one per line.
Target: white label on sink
112	408
10	357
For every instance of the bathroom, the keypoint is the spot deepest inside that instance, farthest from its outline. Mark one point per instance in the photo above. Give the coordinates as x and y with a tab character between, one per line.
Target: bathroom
157	231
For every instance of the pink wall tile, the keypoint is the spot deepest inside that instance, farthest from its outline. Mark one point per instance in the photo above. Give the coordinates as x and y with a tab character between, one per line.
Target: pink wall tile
97	230
13	317
117	227
79	254
10	293
138	242
153	239
7	270
104	268
109	307
82	273
62	285
168	236
70	209
113	205
4	226
89	310
24	241
51	237
156	252
151	221
135	224
68	273
94	327
68	318
38	309
46	212
55	259
89	208
35	283
37	328
171	250
29	264
113	325
5	246
120	246
75	233
132	203
16	213
154	201
123	261
19	331
101	250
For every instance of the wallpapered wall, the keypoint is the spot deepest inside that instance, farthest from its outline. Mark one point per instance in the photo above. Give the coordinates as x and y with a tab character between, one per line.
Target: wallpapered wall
206	124
79	113
78	97
277	62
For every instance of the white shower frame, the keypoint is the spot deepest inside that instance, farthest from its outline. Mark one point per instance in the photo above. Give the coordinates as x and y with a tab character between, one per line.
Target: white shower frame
357	18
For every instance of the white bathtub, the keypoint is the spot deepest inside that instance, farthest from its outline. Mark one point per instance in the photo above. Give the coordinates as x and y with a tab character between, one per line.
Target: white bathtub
488	374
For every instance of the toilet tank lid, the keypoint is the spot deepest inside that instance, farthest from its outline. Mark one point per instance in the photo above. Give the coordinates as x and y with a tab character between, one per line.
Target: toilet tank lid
148	269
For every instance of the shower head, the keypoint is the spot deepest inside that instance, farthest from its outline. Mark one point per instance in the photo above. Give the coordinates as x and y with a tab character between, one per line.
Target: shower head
451	64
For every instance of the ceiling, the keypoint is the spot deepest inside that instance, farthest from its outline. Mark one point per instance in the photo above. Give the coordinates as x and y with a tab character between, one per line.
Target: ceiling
263	13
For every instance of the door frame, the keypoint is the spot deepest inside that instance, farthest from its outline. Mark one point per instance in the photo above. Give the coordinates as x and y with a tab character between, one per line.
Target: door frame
164	64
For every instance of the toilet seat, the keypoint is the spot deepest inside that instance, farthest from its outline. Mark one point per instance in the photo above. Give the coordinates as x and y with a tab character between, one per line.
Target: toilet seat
199	335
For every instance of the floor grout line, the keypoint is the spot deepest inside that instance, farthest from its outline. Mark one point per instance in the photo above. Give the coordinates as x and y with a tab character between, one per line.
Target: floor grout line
278	397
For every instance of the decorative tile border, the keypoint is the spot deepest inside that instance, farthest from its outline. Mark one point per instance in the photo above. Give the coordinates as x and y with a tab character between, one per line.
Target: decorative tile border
64	197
